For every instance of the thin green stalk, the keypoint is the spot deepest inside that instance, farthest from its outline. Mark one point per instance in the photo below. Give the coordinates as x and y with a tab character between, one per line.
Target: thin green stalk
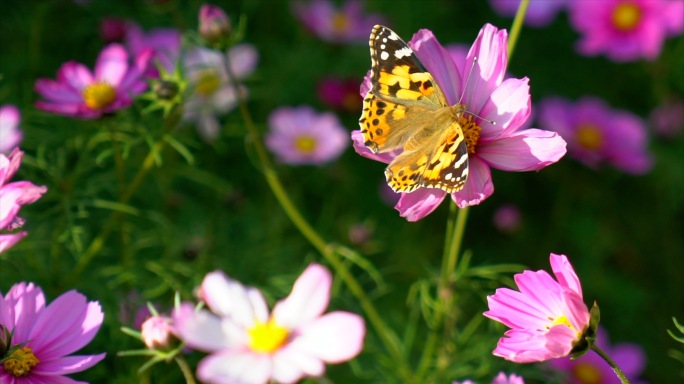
517	26
185	368
97	243
388	338
613	365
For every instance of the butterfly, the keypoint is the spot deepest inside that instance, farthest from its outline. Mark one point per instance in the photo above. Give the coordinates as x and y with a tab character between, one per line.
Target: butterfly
405	109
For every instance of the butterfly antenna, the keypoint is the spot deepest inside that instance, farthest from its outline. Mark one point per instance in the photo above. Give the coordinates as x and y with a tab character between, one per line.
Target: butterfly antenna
470	72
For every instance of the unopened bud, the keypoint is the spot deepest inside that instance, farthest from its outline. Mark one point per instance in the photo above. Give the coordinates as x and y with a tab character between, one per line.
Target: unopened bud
165	90
214	24
157	331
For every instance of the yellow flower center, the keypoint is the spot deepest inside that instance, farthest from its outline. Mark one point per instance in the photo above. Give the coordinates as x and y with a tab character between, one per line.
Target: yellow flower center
208	83
99	95
340	22
20	362
471	131
589	136
559	320
305	143
587	374
267	337
626	16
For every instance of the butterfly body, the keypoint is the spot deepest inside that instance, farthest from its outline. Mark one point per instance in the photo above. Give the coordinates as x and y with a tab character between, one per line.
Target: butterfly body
405	109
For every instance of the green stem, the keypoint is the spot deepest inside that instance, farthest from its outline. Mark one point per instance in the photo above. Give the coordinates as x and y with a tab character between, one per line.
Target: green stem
613	365
185	368
97	244
386	336
517	26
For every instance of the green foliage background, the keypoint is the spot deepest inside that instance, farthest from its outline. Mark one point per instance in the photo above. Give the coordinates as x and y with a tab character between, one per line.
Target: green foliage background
624	234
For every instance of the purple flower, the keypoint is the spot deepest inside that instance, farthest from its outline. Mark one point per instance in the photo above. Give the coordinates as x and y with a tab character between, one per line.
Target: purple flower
165	44
487	95
81	93
547	317
625	30
667	120
247	344
597	134
302	136
507	218
10	134
45	336
539	13
345	25
341	94
591	368
12	196
212	91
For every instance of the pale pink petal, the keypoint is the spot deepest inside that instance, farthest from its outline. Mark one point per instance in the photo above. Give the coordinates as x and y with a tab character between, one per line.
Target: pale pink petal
526	150
521	346
334	337
203	331
111	65
235	366
509	106
75	75
9	117
439	63
559	340
229	298
67	365
289	365
57	92
243	59
309	298
479	185
419	203
565	273
492	56
361	149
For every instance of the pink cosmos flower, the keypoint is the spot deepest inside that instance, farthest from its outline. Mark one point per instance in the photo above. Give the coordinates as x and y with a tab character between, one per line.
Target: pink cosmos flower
165	44
501	378
81	93
12	196
626	30
48	335
212	91
506	102
591	368
597	134
539	13
302	136
341	94
10	134
547	317
347	24
249	345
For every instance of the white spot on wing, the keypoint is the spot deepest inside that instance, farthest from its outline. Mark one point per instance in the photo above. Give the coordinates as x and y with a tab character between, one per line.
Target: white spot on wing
384	55
404	52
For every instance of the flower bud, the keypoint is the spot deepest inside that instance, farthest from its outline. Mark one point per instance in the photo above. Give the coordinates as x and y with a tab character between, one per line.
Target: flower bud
214	25
165	89
157	331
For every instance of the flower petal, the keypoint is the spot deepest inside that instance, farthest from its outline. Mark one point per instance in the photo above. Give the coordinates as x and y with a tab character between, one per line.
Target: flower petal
235	366
565	274
57	92
229	298
509	106
201	330
479	185
112	64
334	337
67	365
527	150
7	241
75	75
361	149
308	300
419	203
438	62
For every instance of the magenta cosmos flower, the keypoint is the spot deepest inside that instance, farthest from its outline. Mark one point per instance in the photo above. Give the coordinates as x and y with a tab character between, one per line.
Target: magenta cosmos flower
506	102
539	13
340	94
301	136
249	345
591	368
501	378
12	196
10	134
547	317
81	93
45	336
597	134
347	24
214	24
626	30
